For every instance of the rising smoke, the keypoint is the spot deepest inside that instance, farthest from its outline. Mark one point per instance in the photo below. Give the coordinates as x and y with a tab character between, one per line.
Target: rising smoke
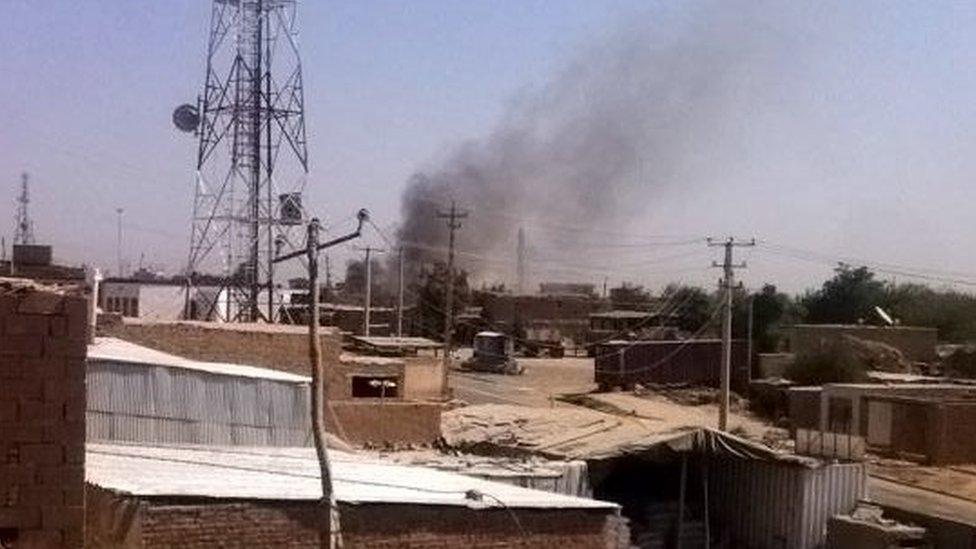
606	133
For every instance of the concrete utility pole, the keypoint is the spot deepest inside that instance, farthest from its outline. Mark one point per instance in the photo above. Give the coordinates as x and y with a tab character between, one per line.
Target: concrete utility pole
368	298
331	536
520	253
328	278
728	284
453	224
118	242
400	294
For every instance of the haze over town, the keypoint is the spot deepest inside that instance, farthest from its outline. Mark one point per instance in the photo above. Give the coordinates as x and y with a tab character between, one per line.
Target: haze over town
836	129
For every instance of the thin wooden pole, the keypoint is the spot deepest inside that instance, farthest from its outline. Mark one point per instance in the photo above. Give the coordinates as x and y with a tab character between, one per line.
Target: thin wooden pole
681	499
331	534
705	499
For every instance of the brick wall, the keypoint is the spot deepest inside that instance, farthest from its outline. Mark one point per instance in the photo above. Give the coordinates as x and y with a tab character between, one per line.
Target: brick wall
277	346
43	338
953	428
392	422
193	524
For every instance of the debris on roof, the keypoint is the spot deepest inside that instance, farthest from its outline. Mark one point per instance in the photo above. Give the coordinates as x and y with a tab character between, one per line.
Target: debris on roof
577	433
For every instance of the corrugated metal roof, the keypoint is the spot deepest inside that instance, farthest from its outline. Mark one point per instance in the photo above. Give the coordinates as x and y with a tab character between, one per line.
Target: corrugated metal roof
293	474
110	349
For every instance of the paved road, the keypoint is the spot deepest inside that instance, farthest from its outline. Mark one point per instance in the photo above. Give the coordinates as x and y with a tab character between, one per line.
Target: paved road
543	378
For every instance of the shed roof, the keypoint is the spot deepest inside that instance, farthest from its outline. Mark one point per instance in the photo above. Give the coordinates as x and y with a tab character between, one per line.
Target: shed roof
293	474
579	433
110	349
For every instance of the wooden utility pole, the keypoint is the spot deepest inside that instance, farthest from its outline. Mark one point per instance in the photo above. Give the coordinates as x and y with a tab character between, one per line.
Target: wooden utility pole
319	387
728	285
330	536
453	224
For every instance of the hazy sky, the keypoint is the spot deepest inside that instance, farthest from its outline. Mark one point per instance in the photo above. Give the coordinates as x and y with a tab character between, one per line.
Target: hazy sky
848	130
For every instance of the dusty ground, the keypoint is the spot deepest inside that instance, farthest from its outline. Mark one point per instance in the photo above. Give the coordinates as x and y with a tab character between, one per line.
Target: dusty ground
544	379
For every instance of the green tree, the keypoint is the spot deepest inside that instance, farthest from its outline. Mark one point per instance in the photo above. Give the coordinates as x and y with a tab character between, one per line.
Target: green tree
770	311
692	305
430	298
847	298
630	297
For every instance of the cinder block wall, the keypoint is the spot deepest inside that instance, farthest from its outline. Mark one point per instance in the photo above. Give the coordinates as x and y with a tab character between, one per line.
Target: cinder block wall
43	341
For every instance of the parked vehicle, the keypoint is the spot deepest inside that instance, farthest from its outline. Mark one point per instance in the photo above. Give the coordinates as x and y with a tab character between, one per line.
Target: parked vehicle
493	352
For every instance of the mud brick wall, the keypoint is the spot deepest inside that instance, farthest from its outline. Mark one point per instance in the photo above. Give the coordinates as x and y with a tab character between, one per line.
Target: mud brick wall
390	422
278	347
953	433
43	341
369	526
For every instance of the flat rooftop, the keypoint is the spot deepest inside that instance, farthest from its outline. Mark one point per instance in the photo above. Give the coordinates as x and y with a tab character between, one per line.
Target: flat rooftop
293	474
397	342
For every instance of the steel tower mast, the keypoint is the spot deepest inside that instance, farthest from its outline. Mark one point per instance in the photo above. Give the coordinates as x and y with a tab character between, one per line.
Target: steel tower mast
252	160
24	231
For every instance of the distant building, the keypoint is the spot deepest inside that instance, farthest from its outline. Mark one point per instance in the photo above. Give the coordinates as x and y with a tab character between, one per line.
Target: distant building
35	262
568	289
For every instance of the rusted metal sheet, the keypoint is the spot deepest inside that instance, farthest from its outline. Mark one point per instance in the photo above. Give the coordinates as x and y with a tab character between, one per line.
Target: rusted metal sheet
160	404
771	505
692	362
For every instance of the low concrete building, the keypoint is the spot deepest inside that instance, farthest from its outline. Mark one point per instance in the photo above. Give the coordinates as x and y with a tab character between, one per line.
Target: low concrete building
842	407
138	394
936	431
145	497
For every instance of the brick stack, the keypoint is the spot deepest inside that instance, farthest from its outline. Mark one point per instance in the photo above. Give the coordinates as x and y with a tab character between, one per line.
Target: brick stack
43	339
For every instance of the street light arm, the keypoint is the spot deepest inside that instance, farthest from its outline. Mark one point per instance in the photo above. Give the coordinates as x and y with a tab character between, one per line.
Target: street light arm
363	217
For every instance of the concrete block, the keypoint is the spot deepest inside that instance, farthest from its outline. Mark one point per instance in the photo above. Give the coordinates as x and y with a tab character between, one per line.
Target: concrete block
41	496
8	411
42	454
61	475
21	345
26	325
20	517
40	303
40	539
67	348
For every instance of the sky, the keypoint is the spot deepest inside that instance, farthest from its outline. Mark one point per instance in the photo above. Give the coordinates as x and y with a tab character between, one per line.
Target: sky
845	133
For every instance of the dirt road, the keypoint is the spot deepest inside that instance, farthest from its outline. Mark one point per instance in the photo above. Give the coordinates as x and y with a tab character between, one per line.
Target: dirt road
543	378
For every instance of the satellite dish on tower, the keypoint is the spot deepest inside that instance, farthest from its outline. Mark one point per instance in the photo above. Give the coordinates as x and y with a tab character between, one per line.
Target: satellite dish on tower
186	118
